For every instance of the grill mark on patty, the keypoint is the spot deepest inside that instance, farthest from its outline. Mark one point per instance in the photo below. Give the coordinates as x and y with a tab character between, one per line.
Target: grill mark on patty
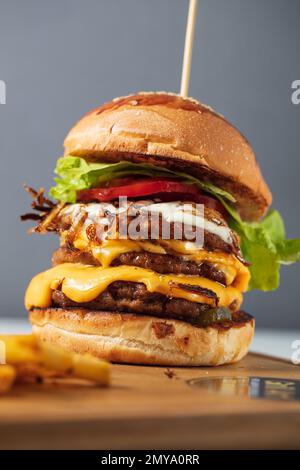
198	290
163	264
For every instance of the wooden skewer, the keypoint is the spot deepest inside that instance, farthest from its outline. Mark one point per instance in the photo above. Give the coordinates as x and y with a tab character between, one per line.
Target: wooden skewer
188	47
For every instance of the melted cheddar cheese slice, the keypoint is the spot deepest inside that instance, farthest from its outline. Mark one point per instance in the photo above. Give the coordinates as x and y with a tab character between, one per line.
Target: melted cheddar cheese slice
83	283
235	272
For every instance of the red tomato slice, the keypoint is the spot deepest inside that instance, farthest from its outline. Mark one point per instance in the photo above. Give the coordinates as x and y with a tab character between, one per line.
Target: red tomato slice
166	189
138	188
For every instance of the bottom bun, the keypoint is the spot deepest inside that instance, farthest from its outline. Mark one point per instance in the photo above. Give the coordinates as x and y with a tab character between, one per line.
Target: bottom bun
138	339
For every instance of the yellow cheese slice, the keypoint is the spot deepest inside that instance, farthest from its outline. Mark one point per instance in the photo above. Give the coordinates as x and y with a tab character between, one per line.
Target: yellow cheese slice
235	272
83	283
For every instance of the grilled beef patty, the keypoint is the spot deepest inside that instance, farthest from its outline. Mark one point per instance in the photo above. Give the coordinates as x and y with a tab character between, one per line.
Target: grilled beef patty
123	296
163	264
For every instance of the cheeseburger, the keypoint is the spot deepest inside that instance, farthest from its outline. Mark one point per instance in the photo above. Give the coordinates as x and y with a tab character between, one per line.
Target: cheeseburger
162	214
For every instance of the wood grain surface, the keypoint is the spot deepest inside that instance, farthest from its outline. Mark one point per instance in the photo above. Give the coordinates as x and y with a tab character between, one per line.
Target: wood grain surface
153	408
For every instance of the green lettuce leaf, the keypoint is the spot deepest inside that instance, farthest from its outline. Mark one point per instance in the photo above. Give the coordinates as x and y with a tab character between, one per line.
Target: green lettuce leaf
74	174
263	243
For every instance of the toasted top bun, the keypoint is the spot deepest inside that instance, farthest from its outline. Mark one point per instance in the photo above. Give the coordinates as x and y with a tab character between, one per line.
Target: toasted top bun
178	133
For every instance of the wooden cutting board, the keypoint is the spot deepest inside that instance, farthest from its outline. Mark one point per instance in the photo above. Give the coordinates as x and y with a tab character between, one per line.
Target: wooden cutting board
156	408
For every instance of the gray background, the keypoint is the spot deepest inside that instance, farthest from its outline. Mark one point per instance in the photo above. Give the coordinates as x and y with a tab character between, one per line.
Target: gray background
61	58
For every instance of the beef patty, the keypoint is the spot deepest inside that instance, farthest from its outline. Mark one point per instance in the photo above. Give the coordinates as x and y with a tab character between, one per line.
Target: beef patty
163	264
124	296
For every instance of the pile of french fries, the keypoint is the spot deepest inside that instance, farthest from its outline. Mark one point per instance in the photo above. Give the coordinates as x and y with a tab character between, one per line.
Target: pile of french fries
26	361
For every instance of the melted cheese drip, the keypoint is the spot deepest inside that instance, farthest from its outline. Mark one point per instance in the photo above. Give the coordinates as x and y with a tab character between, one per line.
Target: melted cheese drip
111	249
83	283
235	272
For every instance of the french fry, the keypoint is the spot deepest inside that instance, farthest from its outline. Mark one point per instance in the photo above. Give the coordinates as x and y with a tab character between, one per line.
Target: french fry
81	366
56	358
91	368
20	348
7	377
35	373
33	362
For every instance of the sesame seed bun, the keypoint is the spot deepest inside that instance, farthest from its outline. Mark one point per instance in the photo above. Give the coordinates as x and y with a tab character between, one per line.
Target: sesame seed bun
178	133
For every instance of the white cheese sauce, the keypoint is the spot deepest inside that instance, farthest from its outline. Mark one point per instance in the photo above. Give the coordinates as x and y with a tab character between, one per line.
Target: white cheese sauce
171	212
185	213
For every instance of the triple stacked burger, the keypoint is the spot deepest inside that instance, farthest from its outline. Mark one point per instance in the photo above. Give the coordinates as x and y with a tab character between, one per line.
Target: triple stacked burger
125	286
